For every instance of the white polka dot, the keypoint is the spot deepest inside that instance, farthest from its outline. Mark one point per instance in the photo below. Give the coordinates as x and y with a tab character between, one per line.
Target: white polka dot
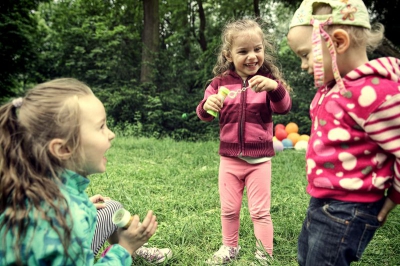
350	105
367	97
316	123
339	174
348	160
310	165
338	134
319	171
351	183
379	182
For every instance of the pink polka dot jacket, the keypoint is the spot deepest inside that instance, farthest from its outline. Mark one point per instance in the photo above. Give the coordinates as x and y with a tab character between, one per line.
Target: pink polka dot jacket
354	147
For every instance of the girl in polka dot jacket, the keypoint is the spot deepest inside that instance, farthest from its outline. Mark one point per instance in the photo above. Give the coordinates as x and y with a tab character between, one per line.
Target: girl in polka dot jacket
353	157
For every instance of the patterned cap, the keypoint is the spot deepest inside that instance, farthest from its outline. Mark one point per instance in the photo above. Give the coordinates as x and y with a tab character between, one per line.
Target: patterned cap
344	12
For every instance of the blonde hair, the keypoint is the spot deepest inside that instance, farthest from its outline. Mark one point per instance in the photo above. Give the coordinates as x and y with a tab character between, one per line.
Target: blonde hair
230	31
359	36
29	173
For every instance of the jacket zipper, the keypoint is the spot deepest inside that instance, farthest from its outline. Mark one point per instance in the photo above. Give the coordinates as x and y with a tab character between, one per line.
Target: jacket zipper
242	115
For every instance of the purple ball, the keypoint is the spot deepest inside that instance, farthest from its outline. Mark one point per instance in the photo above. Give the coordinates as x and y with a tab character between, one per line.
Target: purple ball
278	146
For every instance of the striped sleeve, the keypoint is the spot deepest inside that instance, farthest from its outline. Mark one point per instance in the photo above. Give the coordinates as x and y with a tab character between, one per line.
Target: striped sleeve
383	126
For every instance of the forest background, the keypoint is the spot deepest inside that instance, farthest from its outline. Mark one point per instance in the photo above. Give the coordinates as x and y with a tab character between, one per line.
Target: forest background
149	60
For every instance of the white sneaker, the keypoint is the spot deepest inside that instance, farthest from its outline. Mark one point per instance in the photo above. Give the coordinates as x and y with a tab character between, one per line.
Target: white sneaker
224	255
154	255
263	258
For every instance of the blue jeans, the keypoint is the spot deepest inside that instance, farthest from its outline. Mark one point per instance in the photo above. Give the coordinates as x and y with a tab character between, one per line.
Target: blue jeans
336	232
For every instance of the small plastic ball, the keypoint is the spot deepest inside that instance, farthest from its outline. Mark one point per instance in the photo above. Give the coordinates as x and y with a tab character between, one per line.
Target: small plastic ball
301	145
304	137
292	128
294	137
287	144
279	126
278	146
281	134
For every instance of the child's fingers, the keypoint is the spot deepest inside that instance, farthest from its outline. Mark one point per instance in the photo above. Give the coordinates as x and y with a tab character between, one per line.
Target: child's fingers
213	103
149	224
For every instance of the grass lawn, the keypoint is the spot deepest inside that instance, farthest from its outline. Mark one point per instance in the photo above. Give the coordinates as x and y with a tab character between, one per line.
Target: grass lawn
178	181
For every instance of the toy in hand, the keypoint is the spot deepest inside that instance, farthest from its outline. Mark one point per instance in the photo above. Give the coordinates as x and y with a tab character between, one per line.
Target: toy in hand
222	93
122	218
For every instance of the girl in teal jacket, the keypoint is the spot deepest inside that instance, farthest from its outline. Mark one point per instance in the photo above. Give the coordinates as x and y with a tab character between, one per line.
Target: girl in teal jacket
50	142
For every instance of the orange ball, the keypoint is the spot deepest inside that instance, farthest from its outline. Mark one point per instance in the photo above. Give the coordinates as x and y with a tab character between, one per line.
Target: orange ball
281	134
304	137
294	137
292	128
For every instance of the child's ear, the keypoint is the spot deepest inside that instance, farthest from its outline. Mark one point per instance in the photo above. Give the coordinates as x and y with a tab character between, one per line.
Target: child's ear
59	150
228	57
341	40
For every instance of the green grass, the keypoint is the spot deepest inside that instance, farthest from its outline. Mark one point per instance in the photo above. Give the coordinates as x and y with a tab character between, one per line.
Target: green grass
178	181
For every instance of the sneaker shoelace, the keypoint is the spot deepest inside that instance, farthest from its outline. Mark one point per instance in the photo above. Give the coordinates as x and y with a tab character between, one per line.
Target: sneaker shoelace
150	254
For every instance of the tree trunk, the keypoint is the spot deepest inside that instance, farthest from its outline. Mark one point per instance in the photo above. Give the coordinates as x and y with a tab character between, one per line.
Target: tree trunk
202	38
150	39
256	4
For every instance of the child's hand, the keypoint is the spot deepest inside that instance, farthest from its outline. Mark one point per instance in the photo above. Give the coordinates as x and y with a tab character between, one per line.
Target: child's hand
259	83
98	201
138	233
213	103
387	207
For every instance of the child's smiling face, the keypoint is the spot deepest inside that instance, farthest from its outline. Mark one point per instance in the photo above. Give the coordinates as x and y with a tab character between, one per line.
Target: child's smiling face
247	53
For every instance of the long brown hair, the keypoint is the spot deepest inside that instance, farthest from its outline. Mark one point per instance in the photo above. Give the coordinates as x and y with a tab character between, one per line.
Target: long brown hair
29	173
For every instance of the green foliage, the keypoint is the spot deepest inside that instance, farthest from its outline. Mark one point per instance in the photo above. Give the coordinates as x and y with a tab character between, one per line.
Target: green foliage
100	43
19	45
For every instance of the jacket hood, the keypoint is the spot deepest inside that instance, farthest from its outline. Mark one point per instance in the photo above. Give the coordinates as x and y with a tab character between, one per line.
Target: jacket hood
386	67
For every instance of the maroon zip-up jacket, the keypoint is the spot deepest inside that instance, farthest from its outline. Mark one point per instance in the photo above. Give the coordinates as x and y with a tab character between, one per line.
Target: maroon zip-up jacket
245	121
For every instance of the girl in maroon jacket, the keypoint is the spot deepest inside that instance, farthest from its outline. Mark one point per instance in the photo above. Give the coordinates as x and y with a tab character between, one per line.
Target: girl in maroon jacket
246	131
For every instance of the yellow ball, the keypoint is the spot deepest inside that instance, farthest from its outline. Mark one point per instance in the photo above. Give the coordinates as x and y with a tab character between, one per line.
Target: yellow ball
301	145
304	137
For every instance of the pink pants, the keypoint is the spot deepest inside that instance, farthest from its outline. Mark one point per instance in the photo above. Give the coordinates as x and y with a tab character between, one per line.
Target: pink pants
234	175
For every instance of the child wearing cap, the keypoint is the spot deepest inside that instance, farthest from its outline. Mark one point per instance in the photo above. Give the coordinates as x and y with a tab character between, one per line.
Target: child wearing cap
353	157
